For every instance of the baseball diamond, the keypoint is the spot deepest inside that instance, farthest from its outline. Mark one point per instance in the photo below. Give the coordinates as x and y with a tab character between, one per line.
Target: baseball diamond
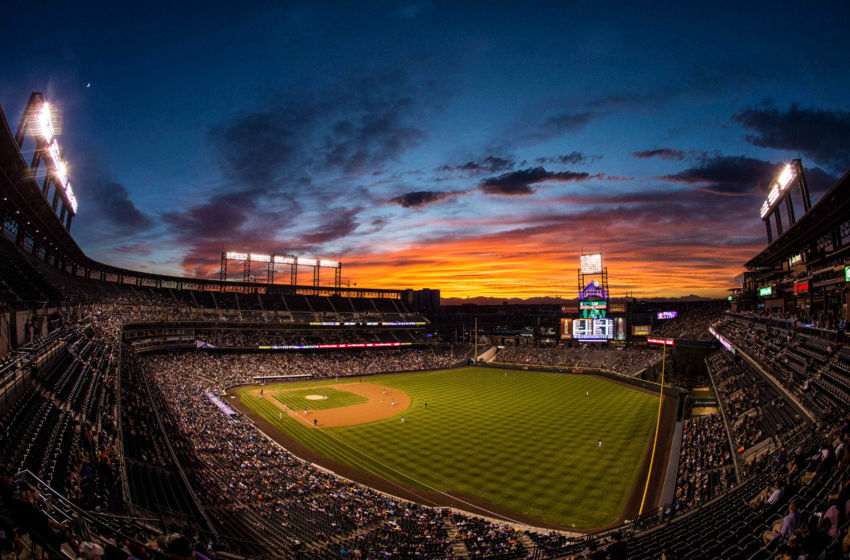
521	446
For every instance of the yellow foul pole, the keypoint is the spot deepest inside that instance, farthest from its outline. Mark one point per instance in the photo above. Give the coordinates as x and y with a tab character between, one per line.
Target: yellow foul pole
657	426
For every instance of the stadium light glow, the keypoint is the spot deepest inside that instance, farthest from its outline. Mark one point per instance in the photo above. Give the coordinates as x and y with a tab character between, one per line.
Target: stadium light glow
56	164
591	264
786	176
278	259
260	258
53	151
329	264
307	262
234	256
779	186
45	125
69	192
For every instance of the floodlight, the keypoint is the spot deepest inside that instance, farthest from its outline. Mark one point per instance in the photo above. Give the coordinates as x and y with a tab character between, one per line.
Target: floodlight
284	260
307	262
764	209
329	264
53	150
44	123
786	176
261	258
71	198
233	256
773	194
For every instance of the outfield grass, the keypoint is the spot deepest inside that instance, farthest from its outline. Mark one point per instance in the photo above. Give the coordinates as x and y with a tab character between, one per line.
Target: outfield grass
526	442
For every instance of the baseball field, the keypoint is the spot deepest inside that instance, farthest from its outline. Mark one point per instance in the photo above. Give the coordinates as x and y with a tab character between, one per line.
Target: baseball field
563	450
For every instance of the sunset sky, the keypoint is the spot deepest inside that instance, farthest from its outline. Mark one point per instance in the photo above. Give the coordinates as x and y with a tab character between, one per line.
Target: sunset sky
475	148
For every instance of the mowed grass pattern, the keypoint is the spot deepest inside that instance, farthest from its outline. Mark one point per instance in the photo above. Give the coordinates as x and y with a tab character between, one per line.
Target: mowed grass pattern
526	442
297	399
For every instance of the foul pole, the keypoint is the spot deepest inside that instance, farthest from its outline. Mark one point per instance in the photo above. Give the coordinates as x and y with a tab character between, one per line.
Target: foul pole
657	426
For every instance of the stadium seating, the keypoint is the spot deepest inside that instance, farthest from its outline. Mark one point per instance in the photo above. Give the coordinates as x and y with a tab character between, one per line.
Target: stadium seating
188	465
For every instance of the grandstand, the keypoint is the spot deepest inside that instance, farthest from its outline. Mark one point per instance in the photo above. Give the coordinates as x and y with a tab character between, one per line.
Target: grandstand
112	410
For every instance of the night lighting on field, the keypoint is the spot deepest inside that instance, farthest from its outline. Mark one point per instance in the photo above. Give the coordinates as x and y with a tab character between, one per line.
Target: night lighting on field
261	258
307	262
329	264
44	123
786	176
231	255
71	198
779	186
278	259
53	150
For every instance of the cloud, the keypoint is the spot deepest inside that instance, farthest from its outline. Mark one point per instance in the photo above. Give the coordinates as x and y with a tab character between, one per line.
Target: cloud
661	153
819	134
337	227
490	164
519	182
114	202
728	175
557	125
573	158
219	218
418	199
353	127
372	136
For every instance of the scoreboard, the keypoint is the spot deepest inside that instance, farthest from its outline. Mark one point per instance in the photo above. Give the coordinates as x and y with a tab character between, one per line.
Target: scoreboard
593	329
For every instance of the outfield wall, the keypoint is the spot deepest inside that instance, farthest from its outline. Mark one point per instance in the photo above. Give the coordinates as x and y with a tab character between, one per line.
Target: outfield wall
669	390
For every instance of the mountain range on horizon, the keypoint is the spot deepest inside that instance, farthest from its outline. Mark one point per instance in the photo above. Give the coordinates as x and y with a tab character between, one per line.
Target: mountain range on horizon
549	300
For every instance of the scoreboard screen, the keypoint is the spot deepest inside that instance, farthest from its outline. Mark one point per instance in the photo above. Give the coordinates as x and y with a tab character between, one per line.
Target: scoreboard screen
603	328
593	329
583	328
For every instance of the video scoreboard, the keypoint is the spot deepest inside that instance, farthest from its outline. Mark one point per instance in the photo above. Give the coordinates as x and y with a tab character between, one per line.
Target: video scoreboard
598	329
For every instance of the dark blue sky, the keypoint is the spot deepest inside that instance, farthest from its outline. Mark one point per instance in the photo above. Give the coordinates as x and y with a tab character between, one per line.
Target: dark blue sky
477	148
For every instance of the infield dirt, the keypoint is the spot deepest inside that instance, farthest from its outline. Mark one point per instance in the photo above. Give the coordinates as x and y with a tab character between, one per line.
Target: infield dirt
384	402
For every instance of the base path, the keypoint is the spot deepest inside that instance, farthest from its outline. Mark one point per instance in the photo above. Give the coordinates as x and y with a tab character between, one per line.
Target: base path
380	405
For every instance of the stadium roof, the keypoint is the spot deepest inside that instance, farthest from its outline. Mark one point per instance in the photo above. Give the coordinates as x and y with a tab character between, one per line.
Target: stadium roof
832	209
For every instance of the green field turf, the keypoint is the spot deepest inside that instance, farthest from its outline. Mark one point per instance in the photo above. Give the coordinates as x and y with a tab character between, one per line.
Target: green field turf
297	399
526	442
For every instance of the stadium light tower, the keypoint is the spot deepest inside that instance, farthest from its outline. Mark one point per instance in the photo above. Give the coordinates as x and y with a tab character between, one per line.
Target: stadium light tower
37	121
270	261
780	190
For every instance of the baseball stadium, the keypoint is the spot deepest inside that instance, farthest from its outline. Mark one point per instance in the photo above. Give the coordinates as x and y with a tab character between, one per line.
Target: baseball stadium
247	399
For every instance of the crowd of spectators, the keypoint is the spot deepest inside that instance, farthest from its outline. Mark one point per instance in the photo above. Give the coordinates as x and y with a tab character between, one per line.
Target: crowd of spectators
706	467
628	361
814	370
691	324
305	508
754	408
